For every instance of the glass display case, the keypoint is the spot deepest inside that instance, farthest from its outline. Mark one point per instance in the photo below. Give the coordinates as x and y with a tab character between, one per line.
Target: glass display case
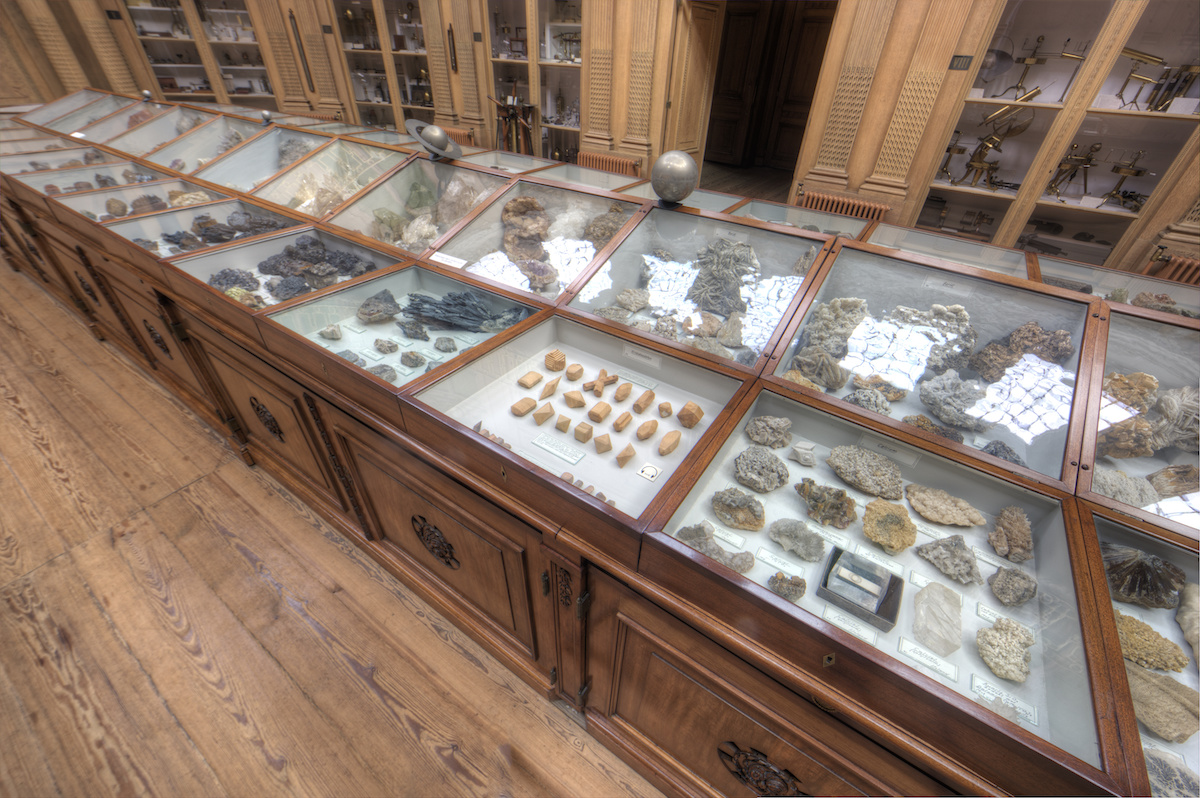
417	205
172	233
248	167
405	36
53	159
962	577
1146	421
1156	73
583	176
699	199
713	284
38	144
337	128
1168	296
791	216
117	203
506	161
974	362
105	175
197	148
322	181
508	37
160	130
123	120
388	137
89	114
949	248
165	34
610	417
62	106
536	238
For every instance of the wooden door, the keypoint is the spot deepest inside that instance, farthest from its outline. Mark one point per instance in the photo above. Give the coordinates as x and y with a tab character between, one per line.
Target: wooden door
804	30
693	73
737	84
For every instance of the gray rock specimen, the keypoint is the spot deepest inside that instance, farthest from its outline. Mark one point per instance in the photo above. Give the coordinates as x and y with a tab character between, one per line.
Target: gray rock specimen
826	504
285	288
709	345
1004	648
1003	451
953	557
378	308
1120	486
830	324
234	278
938	506
948	396
613	313
319	275
413	330
350	355
887	525
386	345
869	472
738	510
525	225
462	310
700	538
1169	778
1188	616
818	365
870	399
1164	706
790	587
759	470
413	360
772	431
952	323
667	327
1012	537
1138	577
721	269
730	333
1178	420
795	536
937	619
445	344
384	371
1012	586
633	299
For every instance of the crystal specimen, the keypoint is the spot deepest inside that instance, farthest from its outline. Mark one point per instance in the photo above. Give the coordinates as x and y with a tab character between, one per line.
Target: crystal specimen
540	274
938	506
1128	438
463	310
281	265
413	330
1004	648
1178	420
878	383
1120	486
1164	706
1012	586
384	371
830	324
445	344
937	619
790	587
600	229
738	510
723	267
948	397
700	537
1138	390
1169	777
1146	647
386	346
525	225
633	299
888	525
234	278
247	298
287	287
795	536
333	332
954	558
827	504
416	236
689	415
869	472
1137	577
991	361
870	399
1188	616
1176	480
1012	537
772	431
948	326
412	360
349	354
380	307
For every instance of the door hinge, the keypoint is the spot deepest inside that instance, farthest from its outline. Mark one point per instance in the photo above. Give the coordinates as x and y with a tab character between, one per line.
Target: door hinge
553	676
581	605
581	696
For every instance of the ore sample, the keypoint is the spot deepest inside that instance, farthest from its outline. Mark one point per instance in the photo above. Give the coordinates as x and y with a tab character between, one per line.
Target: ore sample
938	506
320	275
384	371
445	344
888	526
234	278
281	265
1177	420
247	298
412	359
287	287
386	346
184	240
600	229
1146	647
875	382
1164	706
1120	486
992	361
104	181
1137	389
1003	451
795	536
378	308
1162	302
772	431
1012	537
952	330
1176	480
633	299
700	538
722	268
820	367
413	330
463	310
830	324
869	472
218	233
827	504
926	423
1138	577
953	557
948	397
1012	586
937	619
870	399
350	355
1004	648
790	587
738	510
525	225
1169	777
115	207
332	332
147	203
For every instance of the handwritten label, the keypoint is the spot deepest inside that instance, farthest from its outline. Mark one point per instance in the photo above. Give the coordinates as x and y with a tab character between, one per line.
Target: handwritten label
867	553
447	260
559	449
370	354
466	339
987	613
431	354
889	449
841	541
985	689
732	538
928	532
989	558
945	285
927	658
918	579
642	356
850	624
780	563
354	328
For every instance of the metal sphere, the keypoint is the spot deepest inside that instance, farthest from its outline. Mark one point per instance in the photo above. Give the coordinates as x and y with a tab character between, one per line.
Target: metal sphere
674	176
436	136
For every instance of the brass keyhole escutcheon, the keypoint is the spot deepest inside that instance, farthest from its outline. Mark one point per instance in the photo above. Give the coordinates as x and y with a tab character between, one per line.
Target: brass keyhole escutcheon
503	474
829	660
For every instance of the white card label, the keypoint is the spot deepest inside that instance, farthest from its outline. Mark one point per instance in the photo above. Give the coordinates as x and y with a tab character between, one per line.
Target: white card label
447	260
927	658
779	563
985	689
947	286
732	538
556	447
987	613
850	624
868	553
841	541
642	356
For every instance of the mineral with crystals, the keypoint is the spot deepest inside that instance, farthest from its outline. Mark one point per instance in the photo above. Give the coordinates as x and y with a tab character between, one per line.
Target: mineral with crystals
790	587
948	397
247	298
1128	438
738	510
457	199
1138	577
1012	586
1141	644
1188	616
350	355
1138	389
378	308
1004	648
540	274
870	399
1176	480
1163	302
386	346
413	330
830	324
1012	537
795	536
937	619
700	537
412	360
759	470
332	332
938	506
1054	347
234	278
600	229
463	310
286	288
949	326
1169	777
772	431
320	275
282	265
797	376
889	391
1177	422
953	557
525	225
722	268
887	525
827	504
445	344
217	233
384	371
1120	486
1003	451
633	299
869	472
1164	706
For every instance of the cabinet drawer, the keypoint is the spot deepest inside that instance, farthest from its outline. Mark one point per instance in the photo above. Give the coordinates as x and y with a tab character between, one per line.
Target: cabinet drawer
149	325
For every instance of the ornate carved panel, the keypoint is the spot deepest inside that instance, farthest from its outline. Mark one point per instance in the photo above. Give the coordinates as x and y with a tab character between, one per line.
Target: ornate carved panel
467	68
54	45
641	73
266	418
757	772
432	539
917	97
100	38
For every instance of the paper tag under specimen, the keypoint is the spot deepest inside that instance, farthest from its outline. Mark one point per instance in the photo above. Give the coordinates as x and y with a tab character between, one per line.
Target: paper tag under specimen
985	689
947	286
448	260
850	624
732	538
927	658
556	447
781	563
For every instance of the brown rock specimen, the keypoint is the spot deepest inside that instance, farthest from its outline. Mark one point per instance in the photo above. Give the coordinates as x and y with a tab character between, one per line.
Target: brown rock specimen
622	421
827	504
878	383
562	423
626	455
1137	577
522	407
1163	705
600	411
583	432
938	506
1138	390
888	526
954	558
790	587
669	442
1012	537
529	380
574	399
992	360
926	423
1178	420
116	207
1176	480
555	360
525	225
543	413
1012	586
869	472
647	429
690	415
797	376
643	401
1128	438
1141	644
1004	648
707	326
550	388
820	367
603	443
738	509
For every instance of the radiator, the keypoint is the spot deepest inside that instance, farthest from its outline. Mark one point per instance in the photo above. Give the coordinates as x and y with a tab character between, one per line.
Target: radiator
1177	268
846	206
461	135
609	162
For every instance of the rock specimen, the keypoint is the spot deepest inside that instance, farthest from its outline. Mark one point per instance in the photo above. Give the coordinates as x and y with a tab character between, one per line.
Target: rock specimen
217	233
1169	776
463	310
938	506
540	274
1120	486
1177	422
991	361
1137	577
445	344
525	225
104	181
292	150
386	345
234	278
633	299
147	203
700	538
948	397
772	431
887	525
384	371
1012	537
669	442
690	415
667	327
953	557
1163	705
182	199
869	472
738	510
1188	616
722	268
730	333
830	324
1175	480
1003	451
759	470
412	360
247	298
1141	644
953	332
378	308
413	330
937	619
797	376
820	367
1004	648
1138	390
705	326
875	382
115	207
319	275
1012	586
1163	302
350	355
458	197
795	536
790	587
600	229
925	423
1128	438
826	504
870	399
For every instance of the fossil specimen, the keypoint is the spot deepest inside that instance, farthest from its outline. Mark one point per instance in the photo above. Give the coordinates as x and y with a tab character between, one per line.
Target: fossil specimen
1136	577
759	470
830	324
888	525
827	504
938	506
869	472
722	268
953	557
795	536
1141	644
738	510
1012	537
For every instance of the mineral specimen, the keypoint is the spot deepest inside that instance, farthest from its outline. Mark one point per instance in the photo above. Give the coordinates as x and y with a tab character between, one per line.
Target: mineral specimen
612	313
703	325
869	472
182	199
413	330
1003	451
730	333
948	397
759	470
1164	706
722	267
291	150
700	537
992	361
830	324
1012	537
386	345
104	181
667	327
333	332
1004	648
352	357
384	371
1012	586
795	536
218	233
540	274
525	225
378	308
772	431
709	345
445	344
1188	616
463	310
1141	644
417	235
790	587
889	391
888	525
827	504
458	197
1128	438
938	506
1120	486
281	265
937	619
1176	480
738	510
804	453
1138	390
797	376
1162	302
115	207
247	298
1169	777
950	327
690	414
870	399
147	203
184	240
234	278
603	227
633	299
320	275
954	558
412	360
1178	420
1137	577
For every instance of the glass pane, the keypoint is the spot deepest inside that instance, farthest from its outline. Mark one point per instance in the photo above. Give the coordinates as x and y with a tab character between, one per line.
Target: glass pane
158	132
507	161
954	250
196	149
1082	235
167	234
115	124
63	105
320	183
262	159
1126	287
582	176
701	199
117	203
792	216
90	113
53	159
67	181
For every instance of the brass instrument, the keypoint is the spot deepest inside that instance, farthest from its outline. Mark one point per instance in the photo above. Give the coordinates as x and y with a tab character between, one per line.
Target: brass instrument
1033	59
1138	58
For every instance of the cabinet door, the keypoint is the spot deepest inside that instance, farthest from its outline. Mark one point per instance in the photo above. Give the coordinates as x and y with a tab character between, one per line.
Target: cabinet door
155	332
704	722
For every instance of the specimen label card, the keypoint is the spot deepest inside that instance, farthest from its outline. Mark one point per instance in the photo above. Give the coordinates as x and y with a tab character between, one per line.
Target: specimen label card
986	689
850	624
839	540
447	260
990	558
642	356
987	613
556	447
954	287
927	658
775	561
889	449
731	538
868	553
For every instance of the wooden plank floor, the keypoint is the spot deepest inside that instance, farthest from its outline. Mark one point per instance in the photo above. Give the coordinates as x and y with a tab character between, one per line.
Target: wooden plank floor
173	622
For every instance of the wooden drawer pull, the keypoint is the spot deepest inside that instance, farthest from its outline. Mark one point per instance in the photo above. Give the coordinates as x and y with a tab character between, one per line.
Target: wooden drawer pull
432	539
266	419
753	769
